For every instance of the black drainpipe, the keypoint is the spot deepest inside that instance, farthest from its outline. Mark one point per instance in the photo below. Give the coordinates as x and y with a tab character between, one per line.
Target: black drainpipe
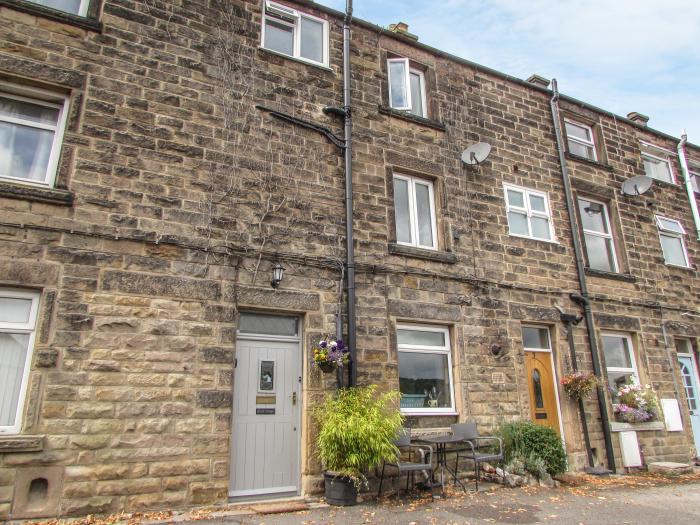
583	298
350	260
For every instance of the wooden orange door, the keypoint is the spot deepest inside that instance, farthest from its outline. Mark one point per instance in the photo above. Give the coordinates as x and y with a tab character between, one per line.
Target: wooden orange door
543	398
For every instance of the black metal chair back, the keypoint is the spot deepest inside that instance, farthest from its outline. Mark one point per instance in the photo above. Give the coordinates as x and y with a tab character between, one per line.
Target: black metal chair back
465	430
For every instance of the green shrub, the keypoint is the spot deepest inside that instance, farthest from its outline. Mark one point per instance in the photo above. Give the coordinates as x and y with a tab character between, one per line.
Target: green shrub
533	444
357	429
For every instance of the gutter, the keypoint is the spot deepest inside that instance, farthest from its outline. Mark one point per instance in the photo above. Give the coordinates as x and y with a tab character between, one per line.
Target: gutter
688	185
582	299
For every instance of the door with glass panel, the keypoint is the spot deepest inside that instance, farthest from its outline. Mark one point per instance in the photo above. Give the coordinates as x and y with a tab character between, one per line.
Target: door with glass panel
544	401
689	374
265	443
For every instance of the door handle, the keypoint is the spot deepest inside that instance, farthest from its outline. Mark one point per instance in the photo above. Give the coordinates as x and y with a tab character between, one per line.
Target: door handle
294	398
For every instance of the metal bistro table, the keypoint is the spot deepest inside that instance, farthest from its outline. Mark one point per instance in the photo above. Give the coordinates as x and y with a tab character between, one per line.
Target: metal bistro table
441	450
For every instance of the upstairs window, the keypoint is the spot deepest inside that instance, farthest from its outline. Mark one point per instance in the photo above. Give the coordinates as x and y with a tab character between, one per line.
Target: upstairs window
597	234
694	174
406	87
31	131
657	163
414	208
296	34
74	7
528	213
580	140
671	234
18	311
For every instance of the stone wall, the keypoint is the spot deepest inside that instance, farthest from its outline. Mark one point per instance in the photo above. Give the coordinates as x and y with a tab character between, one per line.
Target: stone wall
175	195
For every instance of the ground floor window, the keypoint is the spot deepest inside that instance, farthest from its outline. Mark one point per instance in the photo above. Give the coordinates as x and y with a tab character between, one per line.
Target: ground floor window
18	311
619	360
425	369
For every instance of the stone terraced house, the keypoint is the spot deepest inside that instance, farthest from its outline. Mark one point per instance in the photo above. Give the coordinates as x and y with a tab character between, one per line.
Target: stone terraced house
148	187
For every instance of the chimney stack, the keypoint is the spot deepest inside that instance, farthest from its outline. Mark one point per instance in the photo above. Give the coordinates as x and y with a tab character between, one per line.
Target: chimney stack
538	81
402	29
638	118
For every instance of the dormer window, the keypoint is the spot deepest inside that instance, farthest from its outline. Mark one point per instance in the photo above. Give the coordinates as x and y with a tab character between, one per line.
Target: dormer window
295	34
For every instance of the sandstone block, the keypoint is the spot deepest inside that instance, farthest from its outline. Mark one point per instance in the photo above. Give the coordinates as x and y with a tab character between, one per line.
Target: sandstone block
214	398
159	285
178	468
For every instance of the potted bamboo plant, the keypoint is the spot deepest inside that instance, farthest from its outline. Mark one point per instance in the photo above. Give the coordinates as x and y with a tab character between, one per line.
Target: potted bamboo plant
357	429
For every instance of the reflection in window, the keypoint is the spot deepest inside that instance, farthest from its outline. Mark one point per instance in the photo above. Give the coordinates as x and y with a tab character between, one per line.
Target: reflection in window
537	386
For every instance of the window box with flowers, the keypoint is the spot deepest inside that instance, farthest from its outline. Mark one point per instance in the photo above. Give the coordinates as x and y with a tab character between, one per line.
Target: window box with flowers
634	403
329	354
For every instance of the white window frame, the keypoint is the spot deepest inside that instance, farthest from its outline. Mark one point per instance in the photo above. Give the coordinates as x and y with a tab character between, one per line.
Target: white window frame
413	211
529	211
660	154
270	9
21	328
665	232
630	351
694	174
422	349
408	70
39	97
608	236
590	144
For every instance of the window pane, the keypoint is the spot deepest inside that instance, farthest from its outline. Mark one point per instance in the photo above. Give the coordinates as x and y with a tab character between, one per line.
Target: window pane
683	346
600	253
673	250
537	387
540	228
424	380
616	352
657	169
573	130
516	198
420	337
266	324
397	89
581	150
13	353
592	216
311	39
14	310
695	181
534	337
669	225
68	6
279	37
402	211
537	203
618	379
24	151
416	95
517	222
425	219
38	113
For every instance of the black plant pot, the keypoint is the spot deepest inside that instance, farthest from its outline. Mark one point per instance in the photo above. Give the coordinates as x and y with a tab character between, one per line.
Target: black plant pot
340	490
326	367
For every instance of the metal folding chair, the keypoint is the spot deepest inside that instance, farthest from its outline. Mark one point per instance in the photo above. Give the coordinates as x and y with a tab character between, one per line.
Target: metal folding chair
411	465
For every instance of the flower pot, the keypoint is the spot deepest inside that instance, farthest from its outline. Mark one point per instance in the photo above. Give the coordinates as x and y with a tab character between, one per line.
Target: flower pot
340	490
326	367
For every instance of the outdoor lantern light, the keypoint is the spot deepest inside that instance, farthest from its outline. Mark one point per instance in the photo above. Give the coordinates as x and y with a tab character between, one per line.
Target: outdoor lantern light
277	273
593	208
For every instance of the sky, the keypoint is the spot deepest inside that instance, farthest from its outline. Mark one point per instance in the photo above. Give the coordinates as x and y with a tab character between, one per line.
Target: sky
619	55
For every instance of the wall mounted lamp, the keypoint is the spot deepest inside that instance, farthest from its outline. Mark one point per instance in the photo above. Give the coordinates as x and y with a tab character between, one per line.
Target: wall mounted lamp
277	274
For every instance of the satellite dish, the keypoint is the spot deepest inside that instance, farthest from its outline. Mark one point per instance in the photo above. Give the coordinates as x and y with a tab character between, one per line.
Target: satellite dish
637	185
476	153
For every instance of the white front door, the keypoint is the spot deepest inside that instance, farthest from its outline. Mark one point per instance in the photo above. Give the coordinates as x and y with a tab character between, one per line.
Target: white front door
689	373
266	424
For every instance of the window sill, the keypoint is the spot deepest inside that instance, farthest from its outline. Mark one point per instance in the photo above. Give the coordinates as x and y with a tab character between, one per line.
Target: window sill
411	413
679	267
422	253
611	275
584	160
536	239
27	192
616	426
295	59
434	124
90	24
21	443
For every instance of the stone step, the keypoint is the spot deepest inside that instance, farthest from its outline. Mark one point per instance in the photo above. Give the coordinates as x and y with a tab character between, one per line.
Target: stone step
671	468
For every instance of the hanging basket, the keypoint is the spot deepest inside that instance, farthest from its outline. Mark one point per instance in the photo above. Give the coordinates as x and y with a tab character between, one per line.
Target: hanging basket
326	368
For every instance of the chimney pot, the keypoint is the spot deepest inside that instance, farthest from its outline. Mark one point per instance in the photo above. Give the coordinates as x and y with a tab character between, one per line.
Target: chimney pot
538	81
402	29
638	118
